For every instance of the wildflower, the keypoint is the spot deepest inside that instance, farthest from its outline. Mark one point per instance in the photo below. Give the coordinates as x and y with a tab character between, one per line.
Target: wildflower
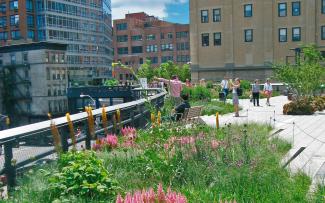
214	144
111	141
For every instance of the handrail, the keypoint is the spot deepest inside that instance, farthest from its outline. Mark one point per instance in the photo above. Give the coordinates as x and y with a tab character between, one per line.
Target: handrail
17	132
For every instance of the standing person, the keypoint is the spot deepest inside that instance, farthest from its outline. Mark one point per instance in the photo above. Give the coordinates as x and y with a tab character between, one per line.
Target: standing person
235	99
175	86
256	92
188	83
268	91
225	86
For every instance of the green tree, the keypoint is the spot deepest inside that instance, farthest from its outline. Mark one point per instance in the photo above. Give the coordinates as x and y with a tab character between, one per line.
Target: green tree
307	76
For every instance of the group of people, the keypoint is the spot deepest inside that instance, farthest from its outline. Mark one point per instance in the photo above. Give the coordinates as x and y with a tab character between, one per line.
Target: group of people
180	101
227	85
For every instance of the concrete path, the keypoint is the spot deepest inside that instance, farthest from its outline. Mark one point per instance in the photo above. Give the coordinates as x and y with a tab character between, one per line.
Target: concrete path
304	132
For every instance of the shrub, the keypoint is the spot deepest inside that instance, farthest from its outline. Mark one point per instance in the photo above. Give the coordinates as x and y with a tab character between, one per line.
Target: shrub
245	84
82	174
209	85
299	107
318	103
111	83
198	93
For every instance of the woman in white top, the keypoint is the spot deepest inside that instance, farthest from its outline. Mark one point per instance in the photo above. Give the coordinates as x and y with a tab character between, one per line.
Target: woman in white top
268	91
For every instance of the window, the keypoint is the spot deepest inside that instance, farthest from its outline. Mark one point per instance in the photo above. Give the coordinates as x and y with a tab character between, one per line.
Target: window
248	10
170	35
217	15
153	60
121	76
15	34
152	48
323	32
3	35
3	21
205	39
296	8
30	34
165	59
122	26
122	38
249	35
166	47
30	20
3	8
282	9
122	50
13	5
14	20
204	16
13	59
282	34
162	36
29	5
183	34
48	74
25	57
136	38
181	46
217	39
141	61
296	34
183	58
151	37
323	6
137	50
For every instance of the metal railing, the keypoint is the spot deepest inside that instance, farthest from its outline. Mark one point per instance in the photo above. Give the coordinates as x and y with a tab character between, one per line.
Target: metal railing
26	145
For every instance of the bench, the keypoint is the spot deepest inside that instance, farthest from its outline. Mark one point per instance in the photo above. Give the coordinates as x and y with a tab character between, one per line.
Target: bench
192	115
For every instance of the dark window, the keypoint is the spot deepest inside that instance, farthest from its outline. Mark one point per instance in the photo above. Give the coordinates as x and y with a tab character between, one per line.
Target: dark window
282	9
137	50
165	59
217	39
204	16
13	5
3	8
323	6
151	37
29	5
122	26
183	34
153	60
296	34
162	36
25	57
3	21
248	10
15	34
296	8
121	76
141	61
217	15
181	46
3	35
14	20
13	59
30	34
170	35
282	34
30	20
122	50
136	38
248	35
122	38
323	32
205	39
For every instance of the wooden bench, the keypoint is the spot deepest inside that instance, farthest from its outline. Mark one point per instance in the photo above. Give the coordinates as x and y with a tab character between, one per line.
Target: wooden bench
192	115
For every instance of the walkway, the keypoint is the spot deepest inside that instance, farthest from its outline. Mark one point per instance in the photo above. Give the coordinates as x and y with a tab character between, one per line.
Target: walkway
304	132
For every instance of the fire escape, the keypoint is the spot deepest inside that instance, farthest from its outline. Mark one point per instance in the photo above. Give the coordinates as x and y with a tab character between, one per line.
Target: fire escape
16	90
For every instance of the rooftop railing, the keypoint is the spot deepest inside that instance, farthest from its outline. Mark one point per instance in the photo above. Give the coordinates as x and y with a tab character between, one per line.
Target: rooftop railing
27	145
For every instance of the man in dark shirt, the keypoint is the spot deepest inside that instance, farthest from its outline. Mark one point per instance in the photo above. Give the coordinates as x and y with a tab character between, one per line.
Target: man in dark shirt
180	109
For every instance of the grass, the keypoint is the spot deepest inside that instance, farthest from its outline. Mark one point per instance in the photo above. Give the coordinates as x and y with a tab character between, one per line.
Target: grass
244	166
212	107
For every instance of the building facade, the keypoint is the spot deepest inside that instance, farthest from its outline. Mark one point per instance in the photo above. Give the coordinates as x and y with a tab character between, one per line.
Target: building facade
140	37
244	38
34	81
84	25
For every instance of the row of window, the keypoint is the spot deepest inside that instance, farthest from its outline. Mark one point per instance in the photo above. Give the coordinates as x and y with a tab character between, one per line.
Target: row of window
125	38
248	36
248	11
82	48
76	36
164	59
14	5
15	35
54	57
58	106
153	48
94	60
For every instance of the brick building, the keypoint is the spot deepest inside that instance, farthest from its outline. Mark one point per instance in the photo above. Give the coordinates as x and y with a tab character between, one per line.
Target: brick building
139	37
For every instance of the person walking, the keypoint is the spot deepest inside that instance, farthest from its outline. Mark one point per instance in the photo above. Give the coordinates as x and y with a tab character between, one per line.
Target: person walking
225	86
235	99
175	86
268	91
256	92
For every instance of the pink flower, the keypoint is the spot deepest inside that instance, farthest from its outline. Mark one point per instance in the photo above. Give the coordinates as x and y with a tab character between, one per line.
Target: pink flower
119	199
111	141
166	146
214	144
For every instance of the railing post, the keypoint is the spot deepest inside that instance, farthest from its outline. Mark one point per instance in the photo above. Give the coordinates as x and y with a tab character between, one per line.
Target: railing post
10	167
64	141
88	138
132	117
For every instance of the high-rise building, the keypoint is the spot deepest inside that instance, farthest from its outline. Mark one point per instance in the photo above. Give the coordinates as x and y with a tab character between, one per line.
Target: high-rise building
244	38
84	25
140	37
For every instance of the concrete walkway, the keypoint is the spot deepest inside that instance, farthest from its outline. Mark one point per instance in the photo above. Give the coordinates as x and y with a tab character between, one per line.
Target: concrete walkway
304	132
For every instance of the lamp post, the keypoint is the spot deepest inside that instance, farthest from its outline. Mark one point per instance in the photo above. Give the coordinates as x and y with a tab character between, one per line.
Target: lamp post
85	95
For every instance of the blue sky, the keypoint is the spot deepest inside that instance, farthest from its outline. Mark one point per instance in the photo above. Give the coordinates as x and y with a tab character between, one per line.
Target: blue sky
170	10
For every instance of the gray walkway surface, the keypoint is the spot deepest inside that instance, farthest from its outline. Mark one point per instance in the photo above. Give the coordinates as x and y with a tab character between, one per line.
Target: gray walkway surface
302	131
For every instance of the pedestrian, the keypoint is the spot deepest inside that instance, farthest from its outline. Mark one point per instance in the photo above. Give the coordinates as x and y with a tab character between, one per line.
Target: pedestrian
225	86
268	91
235	99
256	93
188	83
175	86
202	82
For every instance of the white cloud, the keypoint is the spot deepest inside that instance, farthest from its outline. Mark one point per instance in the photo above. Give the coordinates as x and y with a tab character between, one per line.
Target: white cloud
151	7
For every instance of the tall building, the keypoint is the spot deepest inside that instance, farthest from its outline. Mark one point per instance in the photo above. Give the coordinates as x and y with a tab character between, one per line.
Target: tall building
139	37
244	38
84	25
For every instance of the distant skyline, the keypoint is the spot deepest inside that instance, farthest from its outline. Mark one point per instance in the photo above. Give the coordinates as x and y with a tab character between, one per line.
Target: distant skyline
176	11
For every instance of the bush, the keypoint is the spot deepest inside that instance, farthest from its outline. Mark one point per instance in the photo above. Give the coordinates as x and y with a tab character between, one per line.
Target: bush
245	84
299	107
111	83
82	174
198	93
318	103
209	85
